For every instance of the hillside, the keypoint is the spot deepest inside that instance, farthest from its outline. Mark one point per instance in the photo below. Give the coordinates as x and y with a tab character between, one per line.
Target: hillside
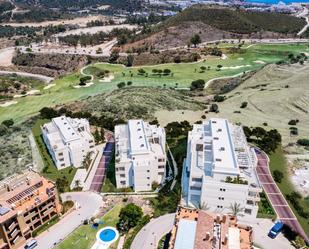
213	23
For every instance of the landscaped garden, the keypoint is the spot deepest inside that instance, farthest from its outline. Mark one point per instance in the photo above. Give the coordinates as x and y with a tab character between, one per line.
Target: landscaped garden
84	236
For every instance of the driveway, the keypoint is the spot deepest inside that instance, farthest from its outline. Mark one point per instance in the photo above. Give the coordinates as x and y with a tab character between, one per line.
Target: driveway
87	204
260	230
151	234
276	198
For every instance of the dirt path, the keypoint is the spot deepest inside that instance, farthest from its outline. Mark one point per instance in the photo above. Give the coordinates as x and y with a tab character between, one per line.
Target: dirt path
23	74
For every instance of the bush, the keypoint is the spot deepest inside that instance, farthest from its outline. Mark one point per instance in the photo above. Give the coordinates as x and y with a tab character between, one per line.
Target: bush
293	122
303	142
244	105
278	176
84	80
219	98
8	123
121	85
214	108
197	85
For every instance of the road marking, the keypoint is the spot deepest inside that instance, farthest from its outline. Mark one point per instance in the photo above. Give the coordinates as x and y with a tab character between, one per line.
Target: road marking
278	193
267	183
263	174
280	205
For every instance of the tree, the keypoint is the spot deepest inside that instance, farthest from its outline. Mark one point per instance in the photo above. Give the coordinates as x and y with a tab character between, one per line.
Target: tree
219	98
129	217
197	85
236	209
114	56
278	176
85	79
48	113
195	39
121	85
8	123
219	67
130	60
214	108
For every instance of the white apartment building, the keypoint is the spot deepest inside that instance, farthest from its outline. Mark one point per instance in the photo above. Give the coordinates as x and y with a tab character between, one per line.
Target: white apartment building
68	140
216	150
140	155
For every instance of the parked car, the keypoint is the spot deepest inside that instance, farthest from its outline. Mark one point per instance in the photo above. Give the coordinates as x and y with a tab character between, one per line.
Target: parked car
31	244
275	230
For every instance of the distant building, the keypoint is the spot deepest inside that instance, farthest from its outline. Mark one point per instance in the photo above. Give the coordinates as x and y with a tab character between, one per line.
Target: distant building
199	229
68	140
219	169
140	155
27	201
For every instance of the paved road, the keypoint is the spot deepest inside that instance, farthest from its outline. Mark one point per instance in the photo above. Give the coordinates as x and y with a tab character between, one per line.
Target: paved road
88	205
151	234
103	164
280	205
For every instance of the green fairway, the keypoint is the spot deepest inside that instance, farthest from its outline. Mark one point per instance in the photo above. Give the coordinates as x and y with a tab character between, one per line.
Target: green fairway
182	74
84	236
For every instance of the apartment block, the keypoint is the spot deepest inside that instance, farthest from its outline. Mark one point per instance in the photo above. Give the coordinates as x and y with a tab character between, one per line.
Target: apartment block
219	169
199	229
140	155
27	201
68	141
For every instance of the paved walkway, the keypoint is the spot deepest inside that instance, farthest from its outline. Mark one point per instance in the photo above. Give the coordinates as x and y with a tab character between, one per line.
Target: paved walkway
87	203
280	205
151	234
23	74
104	162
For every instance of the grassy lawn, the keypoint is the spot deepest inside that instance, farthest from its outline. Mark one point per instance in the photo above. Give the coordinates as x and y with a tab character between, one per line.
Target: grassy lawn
47	225
84	236
278	162
50	171
183	74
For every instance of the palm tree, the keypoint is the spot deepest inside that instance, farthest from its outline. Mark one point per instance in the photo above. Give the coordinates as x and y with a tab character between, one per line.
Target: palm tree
203	206
236	209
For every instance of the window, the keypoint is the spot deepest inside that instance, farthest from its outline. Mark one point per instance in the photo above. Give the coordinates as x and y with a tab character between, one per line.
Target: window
148	178
222	189
195	188
123	182
61	159
120	169
196	179
219	206
91	146
221	198
90	141
161	166
122	175
62	165
60	154
161	173
161	160
148	171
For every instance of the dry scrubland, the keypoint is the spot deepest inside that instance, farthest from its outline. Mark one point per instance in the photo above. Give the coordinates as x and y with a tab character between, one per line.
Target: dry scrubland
275	95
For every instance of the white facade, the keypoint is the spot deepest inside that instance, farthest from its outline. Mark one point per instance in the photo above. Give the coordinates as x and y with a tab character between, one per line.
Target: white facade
216	150
68	140
140	155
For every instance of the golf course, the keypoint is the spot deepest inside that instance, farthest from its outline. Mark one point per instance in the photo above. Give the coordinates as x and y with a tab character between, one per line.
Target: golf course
105	77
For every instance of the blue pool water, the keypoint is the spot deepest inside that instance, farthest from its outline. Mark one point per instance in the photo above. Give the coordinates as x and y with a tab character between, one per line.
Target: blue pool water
277	1
107	235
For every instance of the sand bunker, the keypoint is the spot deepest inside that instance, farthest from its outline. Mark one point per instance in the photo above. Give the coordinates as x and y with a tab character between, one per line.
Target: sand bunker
49	86
8	103
236	67
31	92
87	85
107	79
260	62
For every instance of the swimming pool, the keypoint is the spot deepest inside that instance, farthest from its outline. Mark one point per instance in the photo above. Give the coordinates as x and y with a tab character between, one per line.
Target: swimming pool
107	235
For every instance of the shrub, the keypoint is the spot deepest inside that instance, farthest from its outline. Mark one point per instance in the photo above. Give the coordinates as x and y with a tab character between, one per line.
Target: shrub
219	98
197	85
214	108
293	122
84	79
244	105
121	85
278	176
8	123
303	142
